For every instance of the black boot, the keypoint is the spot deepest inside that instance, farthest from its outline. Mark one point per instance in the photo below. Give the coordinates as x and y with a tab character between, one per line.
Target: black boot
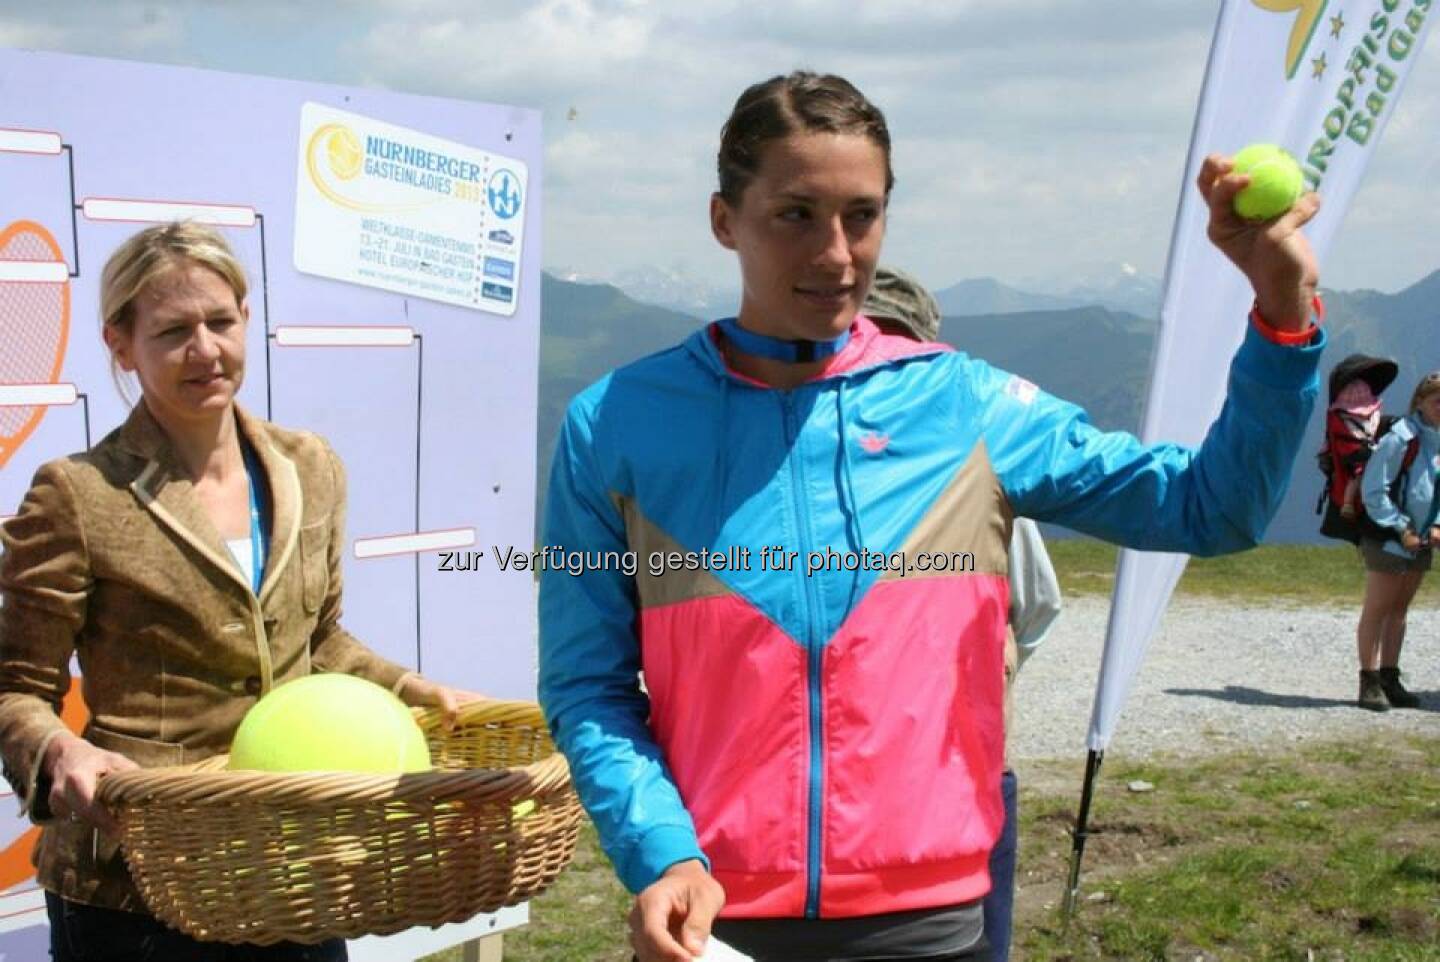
1372	695
1395	692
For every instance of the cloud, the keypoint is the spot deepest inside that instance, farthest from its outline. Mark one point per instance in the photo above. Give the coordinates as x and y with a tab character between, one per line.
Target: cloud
30	35
1037	101
541	54
1035	138
122	28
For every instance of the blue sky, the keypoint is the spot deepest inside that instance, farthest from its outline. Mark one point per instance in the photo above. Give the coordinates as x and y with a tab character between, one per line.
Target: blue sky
1037	141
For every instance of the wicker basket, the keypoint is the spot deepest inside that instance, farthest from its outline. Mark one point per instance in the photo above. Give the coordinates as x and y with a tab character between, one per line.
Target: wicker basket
264	857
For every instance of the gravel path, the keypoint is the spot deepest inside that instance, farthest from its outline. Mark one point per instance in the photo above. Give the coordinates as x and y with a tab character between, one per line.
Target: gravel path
1218	676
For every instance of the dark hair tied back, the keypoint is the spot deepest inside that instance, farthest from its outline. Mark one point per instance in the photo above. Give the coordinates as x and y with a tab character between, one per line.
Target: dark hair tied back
783	105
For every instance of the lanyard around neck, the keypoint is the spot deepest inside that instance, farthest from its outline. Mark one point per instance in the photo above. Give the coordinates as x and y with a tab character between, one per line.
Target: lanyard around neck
259	550
780	349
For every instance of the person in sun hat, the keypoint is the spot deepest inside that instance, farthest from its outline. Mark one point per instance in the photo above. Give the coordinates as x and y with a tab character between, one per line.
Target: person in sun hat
900	304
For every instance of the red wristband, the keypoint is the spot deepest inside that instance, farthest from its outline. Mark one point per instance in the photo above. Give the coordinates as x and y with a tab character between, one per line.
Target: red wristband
1289	338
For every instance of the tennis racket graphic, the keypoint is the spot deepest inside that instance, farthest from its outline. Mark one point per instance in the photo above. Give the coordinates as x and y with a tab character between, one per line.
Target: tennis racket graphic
34	323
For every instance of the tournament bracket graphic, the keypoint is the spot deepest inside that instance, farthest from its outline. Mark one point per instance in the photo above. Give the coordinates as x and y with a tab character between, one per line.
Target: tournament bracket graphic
390	243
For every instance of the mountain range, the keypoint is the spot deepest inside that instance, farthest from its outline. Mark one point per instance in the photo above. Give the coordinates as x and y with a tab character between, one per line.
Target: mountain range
1120	288
1095	354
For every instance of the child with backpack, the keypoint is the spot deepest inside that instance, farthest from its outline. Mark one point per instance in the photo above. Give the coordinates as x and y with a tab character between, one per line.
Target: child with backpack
1354	424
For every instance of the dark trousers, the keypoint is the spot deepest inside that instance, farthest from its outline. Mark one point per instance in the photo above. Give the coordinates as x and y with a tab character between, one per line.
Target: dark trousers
1000	903
84	933
977	954
974	954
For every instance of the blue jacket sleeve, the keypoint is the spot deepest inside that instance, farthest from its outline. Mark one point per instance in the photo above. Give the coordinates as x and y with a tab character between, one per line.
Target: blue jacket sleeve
1380	472
1054	465
589	676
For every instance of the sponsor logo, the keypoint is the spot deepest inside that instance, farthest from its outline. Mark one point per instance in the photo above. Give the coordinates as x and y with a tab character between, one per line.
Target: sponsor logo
346	169
874	443
1021	390
503	193
497	292
343	152
499	267
502	237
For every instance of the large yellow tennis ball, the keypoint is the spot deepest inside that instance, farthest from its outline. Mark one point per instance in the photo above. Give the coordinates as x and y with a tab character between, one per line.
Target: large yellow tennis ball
1275	182
329	722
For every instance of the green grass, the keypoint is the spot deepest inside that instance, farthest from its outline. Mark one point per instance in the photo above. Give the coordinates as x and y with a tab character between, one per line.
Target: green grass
1291	574
582	916
1327	852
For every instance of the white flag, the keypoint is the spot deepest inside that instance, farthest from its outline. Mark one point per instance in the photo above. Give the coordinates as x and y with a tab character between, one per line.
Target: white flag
1321	79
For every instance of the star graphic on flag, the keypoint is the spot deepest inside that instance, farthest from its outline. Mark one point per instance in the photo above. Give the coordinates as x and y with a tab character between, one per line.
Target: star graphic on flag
1318	66
1307	16
1337	23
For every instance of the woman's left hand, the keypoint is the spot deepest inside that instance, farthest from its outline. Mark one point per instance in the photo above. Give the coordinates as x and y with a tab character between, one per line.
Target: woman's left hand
421	692
1273	254
1435	536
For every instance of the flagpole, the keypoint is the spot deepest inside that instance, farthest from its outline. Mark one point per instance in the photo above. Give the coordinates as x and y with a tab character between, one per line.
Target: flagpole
1081	832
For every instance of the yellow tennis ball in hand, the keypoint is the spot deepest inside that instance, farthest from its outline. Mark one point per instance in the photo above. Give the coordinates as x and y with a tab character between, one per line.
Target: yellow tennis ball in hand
1276	182
329	722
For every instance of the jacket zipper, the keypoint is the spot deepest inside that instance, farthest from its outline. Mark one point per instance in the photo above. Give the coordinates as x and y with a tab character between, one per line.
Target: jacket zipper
813	653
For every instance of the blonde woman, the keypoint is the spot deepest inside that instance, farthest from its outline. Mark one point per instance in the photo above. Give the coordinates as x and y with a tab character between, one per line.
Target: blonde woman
191	562
1400	497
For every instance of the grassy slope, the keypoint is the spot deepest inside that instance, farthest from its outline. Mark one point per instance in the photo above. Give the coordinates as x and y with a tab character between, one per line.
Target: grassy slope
1326	852
1285	574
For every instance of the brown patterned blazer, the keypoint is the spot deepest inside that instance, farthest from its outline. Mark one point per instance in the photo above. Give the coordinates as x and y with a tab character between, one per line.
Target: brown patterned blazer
112	558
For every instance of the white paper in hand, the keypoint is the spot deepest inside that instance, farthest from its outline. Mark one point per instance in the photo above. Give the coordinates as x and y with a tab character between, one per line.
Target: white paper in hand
717	951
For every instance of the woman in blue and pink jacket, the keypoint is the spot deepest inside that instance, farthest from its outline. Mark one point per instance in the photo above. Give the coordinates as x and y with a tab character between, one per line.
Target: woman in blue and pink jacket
819	515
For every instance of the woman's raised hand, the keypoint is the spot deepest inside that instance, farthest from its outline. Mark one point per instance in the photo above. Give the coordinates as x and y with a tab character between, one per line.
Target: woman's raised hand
1273	254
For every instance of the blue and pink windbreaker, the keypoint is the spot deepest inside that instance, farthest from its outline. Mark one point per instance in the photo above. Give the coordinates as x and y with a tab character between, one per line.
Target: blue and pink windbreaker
831	743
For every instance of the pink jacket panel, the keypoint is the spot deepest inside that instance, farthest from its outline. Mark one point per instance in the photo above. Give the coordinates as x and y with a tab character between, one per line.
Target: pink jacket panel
728	707
914	741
